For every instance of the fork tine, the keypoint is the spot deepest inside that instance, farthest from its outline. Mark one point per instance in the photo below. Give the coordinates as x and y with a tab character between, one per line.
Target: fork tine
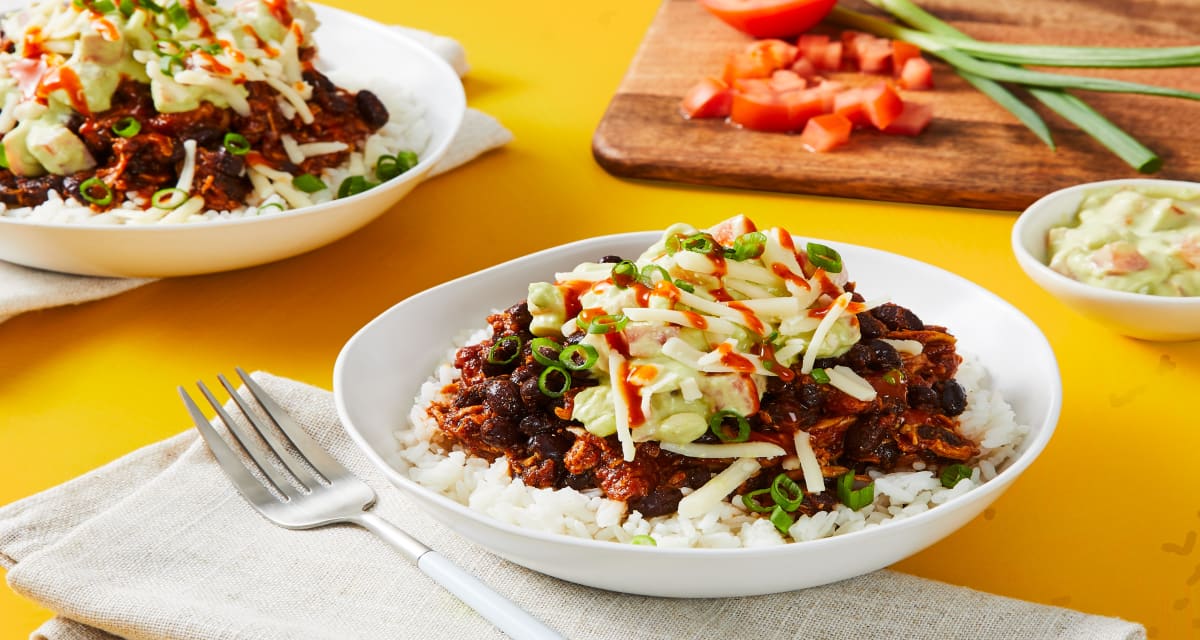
298	469
249	486
315	455
277	479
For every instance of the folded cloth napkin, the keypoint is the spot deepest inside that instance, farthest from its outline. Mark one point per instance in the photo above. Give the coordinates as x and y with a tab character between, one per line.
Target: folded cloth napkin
159	545
24	289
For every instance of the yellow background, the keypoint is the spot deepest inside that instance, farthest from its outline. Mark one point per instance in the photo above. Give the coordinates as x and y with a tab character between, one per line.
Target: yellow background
1105	522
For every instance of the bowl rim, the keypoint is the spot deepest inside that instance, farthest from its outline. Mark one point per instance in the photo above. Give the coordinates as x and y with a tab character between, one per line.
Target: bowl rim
417	173
1031	452
1043	208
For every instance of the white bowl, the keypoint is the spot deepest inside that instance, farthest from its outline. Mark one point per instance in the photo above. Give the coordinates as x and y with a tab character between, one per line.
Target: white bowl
1136	315
379	371
344	41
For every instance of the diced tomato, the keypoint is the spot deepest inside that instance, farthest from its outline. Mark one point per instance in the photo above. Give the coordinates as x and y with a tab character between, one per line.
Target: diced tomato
760	111
777	53
833	57
1119	258
710	98
849	104
849	49
728	230
787	80
912	119
829	90
812	45
917	74
760	59
803	105
874	54
770	18
753	85
824	132
804	67
881	104
903	52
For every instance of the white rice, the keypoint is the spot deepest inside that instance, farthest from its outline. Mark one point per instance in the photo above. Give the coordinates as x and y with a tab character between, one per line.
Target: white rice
487	487
406	130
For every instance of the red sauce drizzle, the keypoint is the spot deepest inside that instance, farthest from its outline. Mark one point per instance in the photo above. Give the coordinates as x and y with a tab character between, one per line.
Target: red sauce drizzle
254	157
194	13
262	44
571	292
616	342
720	294
667	290
720	267
696	320
642	293
628	391
786	274
279	9
734	361
106	29
766	351
643	374
828	287
66	79
211	62
752	320
31	45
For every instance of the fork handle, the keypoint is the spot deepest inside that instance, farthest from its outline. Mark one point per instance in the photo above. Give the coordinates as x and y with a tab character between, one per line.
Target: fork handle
500	611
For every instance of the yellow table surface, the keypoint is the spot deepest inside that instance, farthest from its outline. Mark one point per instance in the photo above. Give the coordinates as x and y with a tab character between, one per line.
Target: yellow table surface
1105	521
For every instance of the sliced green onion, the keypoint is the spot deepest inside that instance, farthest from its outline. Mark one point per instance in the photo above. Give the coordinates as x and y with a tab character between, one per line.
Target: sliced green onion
170	198
748	246
263	208
126	7
388	167
895	376
820	377
544	382
151	5
686	286
699	243
178	16
169	63
104	6
308	183
236	143
1080	114
673	244
750	500
716	424
568	357
650	270
824	257
782	520
91	184
786	492
510	345
355	185
127	127
954	474
607	323
537	347
3	158
624	274
643	540
851	497
1005	98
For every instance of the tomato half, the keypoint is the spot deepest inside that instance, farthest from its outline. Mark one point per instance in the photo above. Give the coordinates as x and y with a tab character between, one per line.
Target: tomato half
770	18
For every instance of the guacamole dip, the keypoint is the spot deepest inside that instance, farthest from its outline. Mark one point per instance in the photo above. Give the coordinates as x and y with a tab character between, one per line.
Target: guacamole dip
1134	240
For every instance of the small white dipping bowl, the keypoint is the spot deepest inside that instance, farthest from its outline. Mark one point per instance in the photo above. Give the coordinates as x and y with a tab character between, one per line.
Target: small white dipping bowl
371	54
1135	315
379	373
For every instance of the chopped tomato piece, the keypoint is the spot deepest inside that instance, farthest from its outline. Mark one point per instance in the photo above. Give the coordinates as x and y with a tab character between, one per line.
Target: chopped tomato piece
832	60
770	18
803	105
874	54
760	111
912	119
745	65
787	80
849	104
730	229
902	52
882	105
824	132
804	67
710	98
1119	258
917	74
777	53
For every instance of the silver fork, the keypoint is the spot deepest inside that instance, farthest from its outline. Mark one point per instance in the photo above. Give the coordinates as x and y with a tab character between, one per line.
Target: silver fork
317	491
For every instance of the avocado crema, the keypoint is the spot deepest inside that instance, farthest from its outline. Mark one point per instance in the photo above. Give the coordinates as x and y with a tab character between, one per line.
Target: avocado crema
66	58
694	327
1132	239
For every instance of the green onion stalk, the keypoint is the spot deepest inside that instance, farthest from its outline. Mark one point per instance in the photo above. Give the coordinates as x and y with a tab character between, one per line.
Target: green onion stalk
989	66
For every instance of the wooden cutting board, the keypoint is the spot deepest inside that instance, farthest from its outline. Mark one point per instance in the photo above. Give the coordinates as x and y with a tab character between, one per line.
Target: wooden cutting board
974	153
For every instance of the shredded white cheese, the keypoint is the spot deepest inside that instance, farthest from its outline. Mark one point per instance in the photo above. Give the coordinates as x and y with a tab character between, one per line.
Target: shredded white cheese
814	481
702	500
187	173
911	347
852	384
615	369
831	315
728	450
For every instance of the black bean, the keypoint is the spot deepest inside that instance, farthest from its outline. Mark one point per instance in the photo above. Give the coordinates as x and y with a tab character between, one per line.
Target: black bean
952	397
660	502
884	356
920	397
500	431
611	259
371	109
869	326
502	397
897	318
858	357
536	423
552	445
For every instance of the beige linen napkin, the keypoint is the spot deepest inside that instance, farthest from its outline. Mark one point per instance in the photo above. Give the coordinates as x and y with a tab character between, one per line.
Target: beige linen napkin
159	545
24	289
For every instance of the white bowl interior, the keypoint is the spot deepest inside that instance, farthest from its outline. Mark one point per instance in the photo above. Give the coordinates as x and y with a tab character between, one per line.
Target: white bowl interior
1135	315
379	372
346	43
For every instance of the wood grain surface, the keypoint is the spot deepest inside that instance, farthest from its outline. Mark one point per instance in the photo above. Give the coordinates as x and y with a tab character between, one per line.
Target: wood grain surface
974	153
